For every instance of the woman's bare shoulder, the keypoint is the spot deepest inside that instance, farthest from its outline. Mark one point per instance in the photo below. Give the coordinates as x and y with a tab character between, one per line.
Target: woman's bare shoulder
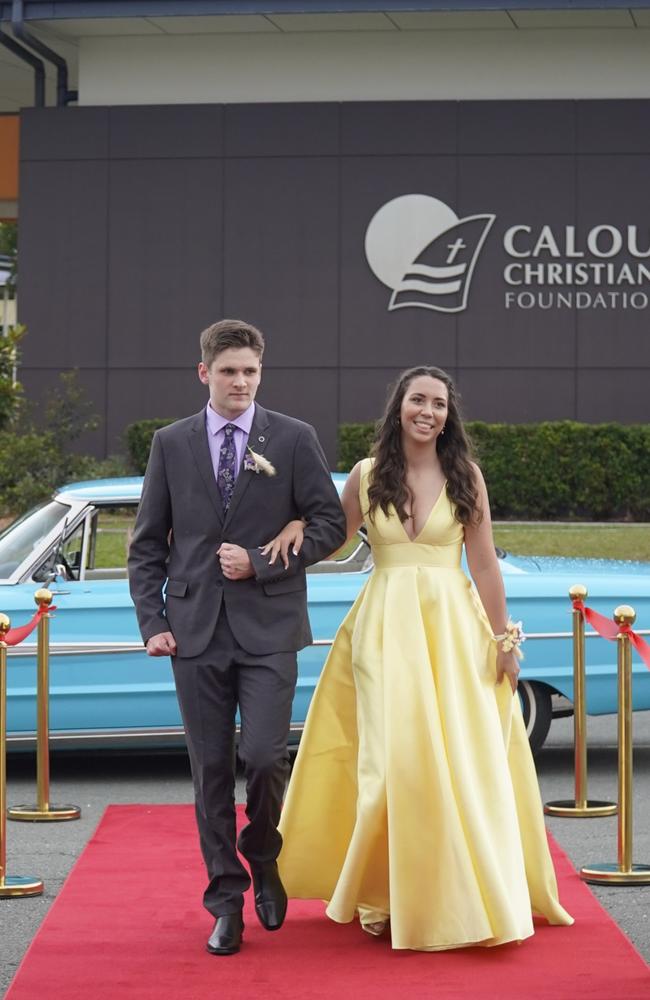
478	475
361	468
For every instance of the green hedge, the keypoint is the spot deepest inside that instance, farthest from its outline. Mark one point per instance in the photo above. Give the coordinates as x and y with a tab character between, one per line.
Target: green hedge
559	470
35	465
138	438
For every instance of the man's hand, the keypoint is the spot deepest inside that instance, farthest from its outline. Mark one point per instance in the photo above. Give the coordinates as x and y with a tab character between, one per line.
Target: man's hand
162	644
235	562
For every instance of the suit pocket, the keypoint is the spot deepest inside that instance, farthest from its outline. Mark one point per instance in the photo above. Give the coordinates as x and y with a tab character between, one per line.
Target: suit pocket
175	588
289	585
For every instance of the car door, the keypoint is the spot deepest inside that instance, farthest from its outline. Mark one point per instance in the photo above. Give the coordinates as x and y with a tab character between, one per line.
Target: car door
101	680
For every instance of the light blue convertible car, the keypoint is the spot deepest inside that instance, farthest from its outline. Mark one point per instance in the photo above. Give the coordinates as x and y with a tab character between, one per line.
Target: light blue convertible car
105	691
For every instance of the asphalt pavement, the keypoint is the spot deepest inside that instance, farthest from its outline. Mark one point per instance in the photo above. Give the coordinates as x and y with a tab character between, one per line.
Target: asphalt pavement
93	781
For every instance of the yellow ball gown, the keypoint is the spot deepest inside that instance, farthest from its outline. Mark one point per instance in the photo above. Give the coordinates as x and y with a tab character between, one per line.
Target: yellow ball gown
414	794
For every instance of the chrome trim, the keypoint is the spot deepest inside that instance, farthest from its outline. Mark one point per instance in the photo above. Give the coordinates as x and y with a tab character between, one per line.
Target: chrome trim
569	635
77	648
85	542
27	649
79	738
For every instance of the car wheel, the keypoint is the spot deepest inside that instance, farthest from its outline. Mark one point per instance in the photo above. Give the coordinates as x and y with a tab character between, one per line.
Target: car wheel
537	710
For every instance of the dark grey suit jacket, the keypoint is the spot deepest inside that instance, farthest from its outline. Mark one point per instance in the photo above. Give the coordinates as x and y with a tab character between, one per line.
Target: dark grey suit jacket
181	524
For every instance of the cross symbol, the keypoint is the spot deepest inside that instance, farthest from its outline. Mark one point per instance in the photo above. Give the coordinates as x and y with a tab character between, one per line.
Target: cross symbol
454	249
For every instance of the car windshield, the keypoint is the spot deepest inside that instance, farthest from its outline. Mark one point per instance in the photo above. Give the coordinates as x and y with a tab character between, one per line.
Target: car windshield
24	535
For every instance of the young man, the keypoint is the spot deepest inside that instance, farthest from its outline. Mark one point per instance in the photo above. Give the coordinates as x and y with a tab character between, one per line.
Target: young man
218	486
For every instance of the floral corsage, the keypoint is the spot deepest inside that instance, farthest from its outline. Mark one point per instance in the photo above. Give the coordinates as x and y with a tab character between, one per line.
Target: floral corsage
512	638
257	463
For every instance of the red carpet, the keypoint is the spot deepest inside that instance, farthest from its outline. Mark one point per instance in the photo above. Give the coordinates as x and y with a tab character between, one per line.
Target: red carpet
129	924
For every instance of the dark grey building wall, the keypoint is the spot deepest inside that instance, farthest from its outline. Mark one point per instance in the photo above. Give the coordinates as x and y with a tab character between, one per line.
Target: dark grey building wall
139	226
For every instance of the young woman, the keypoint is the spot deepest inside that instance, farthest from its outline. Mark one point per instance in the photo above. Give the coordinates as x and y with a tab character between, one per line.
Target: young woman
414	802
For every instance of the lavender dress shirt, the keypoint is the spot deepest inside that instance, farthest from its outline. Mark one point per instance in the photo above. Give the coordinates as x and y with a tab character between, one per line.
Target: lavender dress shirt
215	424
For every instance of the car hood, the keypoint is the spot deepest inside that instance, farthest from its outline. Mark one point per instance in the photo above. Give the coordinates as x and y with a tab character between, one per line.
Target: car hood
512	564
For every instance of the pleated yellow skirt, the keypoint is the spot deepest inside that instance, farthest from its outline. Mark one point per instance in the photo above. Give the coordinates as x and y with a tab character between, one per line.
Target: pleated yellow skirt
414	795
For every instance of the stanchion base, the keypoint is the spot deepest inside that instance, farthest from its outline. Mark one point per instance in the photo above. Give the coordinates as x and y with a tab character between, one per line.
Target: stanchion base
569	808
20	885
52	814
612	875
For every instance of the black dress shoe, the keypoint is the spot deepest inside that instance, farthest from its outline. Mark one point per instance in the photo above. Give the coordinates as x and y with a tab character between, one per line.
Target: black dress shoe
270	897
226	935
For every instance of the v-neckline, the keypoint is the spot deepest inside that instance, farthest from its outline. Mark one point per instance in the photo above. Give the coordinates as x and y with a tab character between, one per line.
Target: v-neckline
428	517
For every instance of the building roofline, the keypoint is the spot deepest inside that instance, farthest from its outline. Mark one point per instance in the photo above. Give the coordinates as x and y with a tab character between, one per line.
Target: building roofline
38	10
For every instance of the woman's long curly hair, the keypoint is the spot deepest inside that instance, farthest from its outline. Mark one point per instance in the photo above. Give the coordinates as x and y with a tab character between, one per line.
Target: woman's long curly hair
387	482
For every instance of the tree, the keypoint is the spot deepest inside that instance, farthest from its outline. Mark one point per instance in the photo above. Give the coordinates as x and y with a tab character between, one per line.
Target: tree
68	413
9	249
11	391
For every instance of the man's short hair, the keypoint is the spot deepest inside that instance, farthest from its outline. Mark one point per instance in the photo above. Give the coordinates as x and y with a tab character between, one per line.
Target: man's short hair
230	333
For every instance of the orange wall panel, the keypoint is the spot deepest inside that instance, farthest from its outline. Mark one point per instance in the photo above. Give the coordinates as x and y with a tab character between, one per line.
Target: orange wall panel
9	139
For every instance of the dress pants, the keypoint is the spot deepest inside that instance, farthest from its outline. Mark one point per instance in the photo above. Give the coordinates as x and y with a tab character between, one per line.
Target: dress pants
209	689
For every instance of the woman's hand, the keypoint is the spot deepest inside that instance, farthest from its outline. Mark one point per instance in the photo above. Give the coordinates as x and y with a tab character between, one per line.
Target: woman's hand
507	666
291	536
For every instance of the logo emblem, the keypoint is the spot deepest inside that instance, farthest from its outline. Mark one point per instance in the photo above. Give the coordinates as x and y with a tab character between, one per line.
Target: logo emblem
417	246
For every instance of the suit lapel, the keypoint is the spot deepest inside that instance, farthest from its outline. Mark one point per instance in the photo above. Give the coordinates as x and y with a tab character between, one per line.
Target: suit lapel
257	442
201	451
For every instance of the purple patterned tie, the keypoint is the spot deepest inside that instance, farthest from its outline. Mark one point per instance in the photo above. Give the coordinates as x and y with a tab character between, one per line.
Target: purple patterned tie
226	471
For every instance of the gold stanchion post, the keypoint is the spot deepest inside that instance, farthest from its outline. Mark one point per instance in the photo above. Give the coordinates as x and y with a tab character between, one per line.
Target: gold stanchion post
623	872
581	806
10	885
43	811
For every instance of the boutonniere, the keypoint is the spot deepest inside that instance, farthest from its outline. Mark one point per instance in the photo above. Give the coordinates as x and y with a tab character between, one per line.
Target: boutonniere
257	463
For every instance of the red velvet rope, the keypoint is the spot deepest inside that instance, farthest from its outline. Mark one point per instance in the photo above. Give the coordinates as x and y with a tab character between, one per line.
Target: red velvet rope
608	629
16	635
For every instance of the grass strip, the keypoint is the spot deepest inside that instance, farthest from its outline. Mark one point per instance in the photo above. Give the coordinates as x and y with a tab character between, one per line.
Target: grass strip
597	541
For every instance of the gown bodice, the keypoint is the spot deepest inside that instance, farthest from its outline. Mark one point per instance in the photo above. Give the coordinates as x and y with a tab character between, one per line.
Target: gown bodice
439	543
